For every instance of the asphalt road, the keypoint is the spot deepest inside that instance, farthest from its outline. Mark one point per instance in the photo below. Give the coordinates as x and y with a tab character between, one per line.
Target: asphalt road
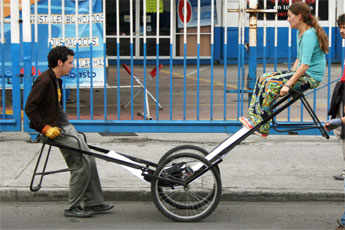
143	215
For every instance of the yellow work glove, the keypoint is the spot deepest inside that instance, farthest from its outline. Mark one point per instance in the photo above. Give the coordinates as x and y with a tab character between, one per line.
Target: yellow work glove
51	132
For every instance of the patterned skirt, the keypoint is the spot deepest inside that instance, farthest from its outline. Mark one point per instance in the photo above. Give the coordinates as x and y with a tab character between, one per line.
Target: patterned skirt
267	87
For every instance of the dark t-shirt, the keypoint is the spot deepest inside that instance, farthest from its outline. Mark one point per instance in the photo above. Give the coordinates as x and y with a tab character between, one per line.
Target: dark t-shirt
63	120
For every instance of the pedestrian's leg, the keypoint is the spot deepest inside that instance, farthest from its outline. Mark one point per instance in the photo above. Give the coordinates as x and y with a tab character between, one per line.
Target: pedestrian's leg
342	219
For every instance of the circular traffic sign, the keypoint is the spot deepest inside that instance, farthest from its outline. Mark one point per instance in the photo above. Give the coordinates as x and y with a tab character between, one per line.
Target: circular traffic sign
181	11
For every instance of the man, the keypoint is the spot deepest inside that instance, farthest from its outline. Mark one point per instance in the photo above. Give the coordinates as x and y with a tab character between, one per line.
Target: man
46	115
337	112
338	102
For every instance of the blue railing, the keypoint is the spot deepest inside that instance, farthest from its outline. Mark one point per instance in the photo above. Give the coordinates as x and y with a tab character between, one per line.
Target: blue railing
211	102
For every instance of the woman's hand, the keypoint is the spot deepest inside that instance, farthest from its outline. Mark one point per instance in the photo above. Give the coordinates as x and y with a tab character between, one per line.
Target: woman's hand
284	90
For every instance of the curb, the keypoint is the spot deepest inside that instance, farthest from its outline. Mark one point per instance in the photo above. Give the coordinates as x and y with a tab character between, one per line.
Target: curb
25	195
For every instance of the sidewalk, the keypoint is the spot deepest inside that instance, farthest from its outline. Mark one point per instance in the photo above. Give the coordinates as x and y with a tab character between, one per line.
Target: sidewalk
279	168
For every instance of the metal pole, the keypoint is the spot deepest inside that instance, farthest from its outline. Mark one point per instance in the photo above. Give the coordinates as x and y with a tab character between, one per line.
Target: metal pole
91	60
225	54
2	55
212	58
343	44
145	102
105	60
63	43
276	37
184	57
331	16
118	55
77	55
131	50
253	4
264	37
198	65
239	58
49	23
157	60
171	56
36	39
242	49
15	52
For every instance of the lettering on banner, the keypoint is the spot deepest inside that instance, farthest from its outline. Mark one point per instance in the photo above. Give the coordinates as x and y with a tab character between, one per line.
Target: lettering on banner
283	6
98	62
83	74
72	42
69	18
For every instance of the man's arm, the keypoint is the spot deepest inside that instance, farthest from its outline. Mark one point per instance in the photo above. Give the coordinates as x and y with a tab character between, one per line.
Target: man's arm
334	123
33	106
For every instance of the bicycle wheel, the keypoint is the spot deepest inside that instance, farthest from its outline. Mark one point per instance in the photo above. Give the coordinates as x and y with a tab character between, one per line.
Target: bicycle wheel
184	148
194	200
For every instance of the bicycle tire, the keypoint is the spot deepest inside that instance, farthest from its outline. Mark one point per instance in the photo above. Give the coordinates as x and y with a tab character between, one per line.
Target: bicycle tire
186	148
199	198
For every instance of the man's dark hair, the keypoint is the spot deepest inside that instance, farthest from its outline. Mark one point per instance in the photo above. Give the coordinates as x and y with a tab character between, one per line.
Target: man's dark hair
58	53
341	20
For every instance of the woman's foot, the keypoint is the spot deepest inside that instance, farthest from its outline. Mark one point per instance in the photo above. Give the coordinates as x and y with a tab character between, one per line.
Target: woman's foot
249	125
246	122
262	135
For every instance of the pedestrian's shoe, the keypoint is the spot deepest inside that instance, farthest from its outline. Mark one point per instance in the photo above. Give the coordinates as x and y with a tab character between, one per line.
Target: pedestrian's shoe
77	212
99	208
339	176
341	226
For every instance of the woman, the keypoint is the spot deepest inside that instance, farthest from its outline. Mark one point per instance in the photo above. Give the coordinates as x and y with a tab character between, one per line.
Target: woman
307	71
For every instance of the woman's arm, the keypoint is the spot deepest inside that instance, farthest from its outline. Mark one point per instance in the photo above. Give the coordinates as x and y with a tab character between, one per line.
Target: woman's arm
299	72
295	65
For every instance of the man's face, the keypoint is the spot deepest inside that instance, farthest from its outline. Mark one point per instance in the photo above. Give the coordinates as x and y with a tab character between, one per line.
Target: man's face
67	65
342	31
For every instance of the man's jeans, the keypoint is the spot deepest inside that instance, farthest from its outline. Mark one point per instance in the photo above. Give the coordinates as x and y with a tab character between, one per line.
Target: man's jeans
342	219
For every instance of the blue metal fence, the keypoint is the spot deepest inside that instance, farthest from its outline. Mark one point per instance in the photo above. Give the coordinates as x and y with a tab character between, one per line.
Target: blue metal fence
210	102
11	101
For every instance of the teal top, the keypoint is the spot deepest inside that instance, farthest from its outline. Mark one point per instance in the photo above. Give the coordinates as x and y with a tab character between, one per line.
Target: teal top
309	53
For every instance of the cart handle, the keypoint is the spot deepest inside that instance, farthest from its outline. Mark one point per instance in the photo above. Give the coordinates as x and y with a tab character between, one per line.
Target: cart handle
46	140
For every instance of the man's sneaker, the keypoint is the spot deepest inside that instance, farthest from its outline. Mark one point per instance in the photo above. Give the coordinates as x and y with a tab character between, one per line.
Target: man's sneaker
246	122
99	208
77	212
341	225
340	176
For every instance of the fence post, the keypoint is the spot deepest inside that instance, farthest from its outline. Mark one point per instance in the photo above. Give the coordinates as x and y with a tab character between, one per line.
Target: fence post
27	55
253	5
15	52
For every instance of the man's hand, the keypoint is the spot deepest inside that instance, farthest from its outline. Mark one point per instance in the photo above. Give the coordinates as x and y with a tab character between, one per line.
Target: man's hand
51	132
332	124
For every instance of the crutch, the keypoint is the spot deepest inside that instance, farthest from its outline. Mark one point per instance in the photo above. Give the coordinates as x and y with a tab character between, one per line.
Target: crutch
152	74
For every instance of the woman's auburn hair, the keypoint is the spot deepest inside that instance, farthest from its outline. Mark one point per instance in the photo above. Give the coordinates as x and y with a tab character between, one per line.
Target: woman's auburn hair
303	9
